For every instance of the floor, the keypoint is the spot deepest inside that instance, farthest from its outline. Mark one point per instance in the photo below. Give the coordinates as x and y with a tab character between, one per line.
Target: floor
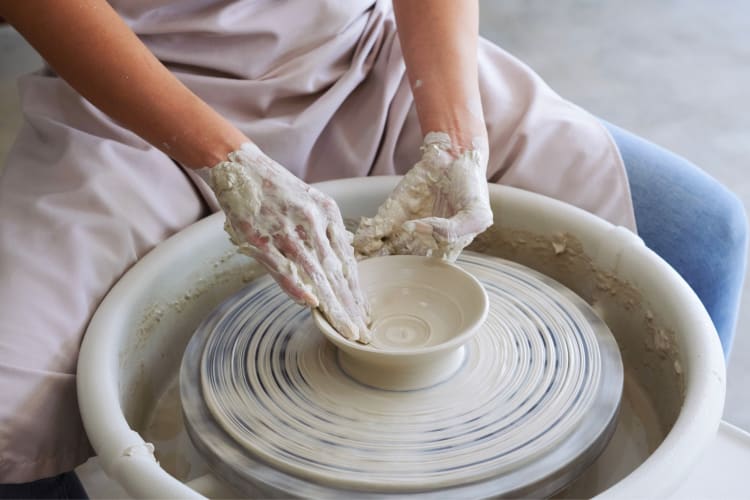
673	72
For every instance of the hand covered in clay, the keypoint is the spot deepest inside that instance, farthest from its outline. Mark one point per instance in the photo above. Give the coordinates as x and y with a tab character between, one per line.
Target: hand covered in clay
437	209
296	232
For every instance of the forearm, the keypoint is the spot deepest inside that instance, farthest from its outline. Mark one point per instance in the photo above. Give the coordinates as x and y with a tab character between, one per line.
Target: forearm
439	43
92	49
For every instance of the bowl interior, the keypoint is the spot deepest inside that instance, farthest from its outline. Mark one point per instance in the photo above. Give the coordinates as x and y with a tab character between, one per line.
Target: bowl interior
418	304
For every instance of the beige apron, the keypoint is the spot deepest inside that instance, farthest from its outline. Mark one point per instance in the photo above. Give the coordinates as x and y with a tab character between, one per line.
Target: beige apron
319	85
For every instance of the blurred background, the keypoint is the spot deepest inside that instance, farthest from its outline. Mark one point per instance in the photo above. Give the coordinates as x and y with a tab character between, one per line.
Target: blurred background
676	72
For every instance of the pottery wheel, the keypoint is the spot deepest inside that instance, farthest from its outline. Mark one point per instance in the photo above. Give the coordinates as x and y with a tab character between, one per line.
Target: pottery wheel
533	404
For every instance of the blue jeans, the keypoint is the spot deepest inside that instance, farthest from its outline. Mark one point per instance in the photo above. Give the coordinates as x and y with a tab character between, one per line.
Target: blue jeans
693	222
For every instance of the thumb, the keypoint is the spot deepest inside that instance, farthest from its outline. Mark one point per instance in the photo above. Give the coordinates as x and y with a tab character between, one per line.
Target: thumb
449	231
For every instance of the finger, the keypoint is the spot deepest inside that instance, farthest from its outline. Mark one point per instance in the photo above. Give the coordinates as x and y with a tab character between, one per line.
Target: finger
368	239
334	265
284	273
340	241
353	312
412	243
343	251
328	302
402	204
445	238
337	241
451	230
353	297
475	216
378	225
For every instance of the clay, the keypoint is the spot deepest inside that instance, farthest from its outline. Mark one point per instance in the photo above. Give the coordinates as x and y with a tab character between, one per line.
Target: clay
423	310
418	302
231	270
648	348
536	384
437	208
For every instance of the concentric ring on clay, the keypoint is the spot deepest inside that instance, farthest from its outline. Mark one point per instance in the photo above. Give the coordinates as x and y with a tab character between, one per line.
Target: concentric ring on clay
533	378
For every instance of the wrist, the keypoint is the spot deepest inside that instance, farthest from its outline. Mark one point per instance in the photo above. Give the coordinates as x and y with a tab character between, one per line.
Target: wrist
256	165
208	152
244	154
464	126
456	143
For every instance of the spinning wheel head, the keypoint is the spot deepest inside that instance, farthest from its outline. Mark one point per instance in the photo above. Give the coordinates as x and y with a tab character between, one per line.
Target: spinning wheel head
533	399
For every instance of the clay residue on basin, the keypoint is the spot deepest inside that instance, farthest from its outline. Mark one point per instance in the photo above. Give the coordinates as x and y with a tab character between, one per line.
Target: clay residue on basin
648	347
165	429
166	325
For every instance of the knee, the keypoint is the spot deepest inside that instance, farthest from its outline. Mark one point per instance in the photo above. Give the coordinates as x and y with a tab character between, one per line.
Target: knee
730	225
728	240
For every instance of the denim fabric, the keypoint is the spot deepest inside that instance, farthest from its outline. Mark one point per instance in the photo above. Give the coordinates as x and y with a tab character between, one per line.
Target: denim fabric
693	222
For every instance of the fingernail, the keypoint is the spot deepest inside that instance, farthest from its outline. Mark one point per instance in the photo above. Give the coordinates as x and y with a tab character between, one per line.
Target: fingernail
311	300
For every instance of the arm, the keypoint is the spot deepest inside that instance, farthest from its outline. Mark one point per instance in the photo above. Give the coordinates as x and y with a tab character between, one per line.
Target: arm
295	231
439	43
442	203
117	73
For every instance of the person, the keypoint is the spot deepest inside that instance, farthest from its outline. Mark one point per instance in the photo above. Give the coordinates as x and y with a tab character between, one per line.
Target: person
149	115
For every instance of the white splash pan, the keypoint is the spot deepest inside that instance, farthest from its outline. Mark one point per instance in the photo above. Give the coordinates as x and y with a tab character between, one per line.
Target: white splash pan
675	373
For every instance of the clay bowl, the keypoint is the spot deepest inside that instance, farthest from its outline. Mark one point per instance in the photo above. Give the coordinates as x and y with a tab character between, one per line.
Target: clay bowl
423	310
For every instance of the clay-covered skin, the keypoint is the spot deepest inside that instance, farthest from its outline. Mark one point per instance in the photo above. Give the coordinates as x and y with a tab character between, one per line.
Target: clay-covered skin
296	232
438	208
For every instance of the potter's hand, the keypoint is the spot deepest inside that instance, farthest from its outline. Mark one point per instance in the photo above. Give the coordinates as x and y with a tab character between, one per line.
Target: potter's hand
296	232
437	209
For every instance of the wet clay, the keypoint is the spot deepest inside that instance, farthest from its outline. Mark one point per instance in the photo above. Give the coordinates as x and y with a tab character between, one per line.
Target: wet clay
227	274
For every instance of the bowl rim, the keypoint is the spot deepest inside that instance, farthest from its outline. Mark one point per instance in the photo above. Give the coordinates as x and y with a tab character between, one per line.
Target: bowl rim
470	328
